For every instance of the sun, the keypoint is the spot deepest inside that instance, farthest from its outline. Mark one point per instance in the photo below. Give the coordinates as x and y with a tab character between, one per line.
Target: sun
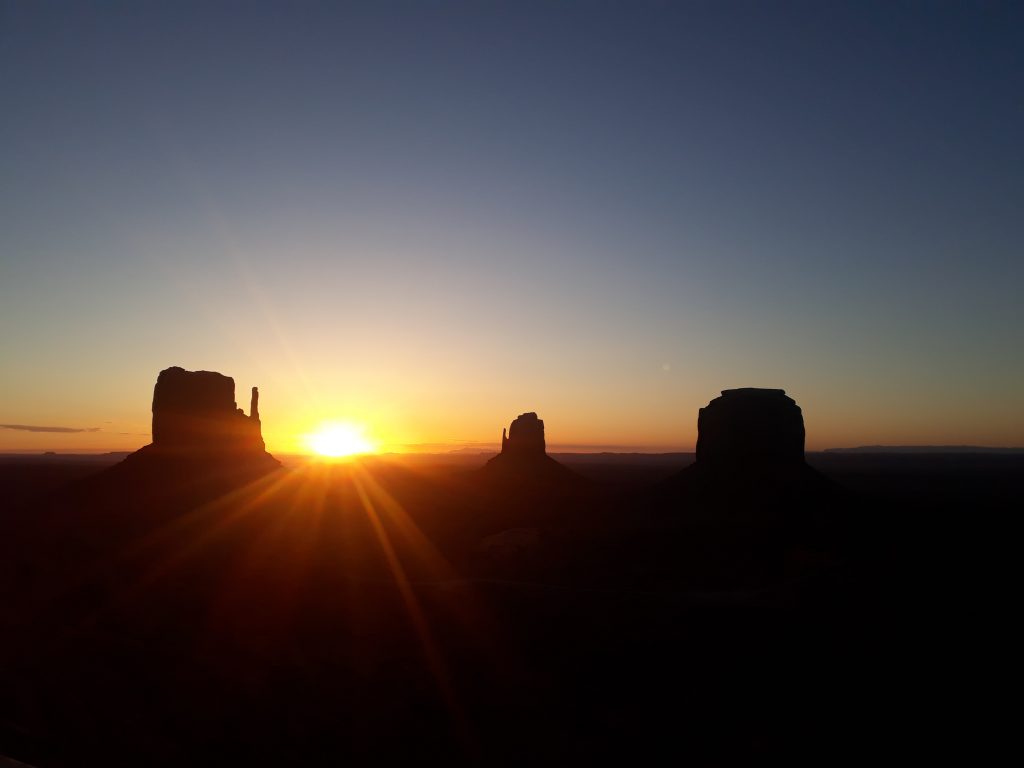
337	439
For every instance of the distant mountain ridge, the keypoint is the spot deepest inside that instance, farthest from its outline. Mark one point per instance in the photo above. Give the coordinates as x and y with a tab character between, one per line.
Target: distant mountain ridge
924	449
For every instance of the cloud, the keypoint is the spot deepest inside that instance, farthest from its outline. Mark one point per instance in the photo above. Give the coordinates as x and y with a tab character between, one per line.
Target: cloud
32	428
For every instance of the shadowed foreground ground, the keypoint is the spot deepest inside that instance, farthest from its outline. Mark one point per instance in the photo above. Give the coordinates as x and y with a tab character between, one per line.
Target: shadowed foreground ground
381	611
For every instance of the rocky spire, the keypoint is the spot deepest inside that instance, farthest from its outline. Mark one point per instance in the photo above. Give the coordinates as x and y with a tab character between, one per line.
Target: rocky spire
254	405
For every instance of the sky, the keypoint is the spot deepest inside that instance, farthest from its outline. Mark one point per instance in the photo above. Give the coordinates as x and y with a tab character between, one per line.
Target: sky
426	218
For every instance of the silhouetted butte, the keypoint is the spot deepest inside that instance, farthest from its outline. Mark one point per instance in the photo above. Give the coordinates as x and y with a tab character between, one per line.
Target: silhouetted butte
523	458
750	426
750	458
199	433
195	412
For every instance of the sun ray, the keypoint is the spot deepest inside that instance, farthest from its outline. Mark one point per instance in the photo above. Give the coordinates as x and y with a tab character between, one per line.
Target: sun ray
417	617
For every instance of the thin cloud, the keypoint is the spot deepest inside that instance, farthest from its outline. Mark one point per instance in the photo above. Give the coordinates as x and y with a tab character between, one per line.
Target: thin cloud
34	428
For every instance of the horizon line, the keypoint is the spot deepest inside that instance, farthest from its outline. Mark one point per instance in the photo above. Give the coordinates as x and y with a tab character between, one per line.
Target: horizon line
439	449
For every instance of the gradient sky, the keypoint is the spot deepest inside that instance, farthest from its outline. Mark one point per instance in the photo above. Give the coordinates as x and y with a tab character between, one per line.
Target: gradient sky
430	217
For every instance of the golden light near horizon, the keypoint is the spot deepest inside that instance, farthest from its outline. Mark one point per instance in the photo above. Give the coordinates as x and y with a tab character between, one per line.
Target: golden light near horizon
335	440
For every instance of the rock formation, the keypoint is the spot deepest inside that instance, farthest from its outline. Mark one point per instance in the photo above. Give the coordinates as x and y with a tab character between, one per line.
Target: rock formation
201	439
750	425
750	468
203	447
523	459
195	412
525	437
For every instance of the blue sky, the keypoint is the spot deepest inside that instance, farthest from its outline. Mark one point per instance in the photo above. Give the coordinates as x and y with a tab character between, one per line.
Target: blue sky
429	217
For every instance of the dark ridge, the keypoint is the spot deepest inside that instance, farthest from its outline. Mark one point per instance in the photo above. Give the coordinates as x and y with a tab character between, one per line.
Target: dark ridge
925	449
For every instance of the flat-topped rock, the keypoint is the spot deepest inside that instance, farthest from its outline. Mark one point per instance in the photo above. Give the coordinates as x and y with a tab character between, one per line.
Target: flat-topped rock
525	436
750	425
195	411
202	444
